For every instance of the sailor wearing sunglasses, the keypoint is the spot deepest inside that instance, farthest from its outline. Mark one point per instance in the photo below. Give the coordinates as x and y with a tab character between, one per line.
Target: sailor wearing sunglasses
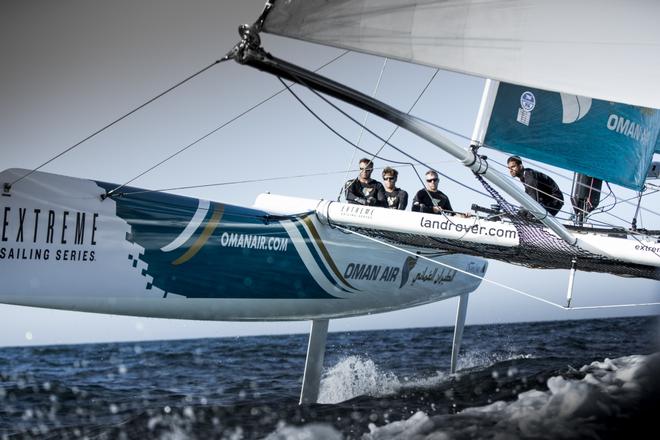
396	197
364	190
430	199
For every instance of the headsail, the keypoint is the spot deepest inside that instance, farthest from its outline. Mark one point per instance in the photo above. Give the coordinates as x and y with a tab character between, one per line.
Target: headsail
610	141
606	50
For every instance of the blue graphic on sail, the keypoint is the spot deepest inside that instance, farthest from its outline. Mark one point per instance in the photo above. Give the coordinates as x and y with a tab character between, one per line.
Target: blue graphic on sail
607	140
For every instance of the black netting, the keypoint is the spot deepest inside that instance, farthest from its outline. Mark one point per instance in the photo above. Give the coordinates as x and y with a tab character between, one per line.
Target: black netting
538	248
528	256
531	232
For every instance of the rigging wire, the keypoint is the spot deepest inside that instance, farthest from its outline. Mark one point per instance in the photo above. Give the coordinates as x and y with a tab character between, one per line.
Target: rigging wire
445	129
235	182
342	137
195	142
368	130
215	130
496	283
238	182
185	80
611	205
408	112
364	122
601	209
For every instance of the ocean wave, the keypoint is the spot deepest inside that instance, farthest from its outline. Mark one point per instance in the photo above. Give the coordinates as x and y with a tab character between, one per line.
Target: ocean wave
614	397
514	381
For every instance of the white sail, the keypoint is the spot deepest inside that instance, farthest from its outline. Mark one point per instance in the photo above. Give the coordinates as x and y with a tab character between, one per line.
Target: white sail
601	49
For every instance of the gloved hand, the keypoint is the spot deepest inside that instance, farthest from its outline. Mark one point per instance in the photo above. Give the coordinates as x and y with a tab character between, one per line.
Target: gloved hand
371	201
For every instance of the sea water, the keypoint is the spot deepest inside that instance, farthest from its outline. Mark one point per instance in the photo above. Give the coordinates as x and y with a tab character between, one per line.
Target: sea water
565	379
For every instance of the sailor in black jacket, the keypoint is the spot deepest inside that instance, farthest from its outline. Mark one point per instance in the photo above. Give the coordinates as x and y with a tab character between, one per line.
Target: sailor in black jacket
395	197
430	199
538	186
364	190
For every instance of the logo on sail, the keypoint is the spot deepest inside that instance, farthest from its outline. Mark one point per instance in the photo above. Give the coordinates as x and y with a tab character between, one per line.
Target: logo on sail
574	107
628	128
527	104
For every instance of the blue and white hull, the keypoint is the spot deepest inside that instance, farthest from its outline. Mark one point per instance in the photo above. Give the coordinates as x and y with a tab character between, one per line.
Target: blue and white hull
64	246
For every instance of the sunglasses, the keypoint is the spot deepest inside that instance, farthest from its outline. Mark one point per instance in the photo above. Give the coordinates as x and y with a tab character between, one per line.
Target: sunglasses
432	180
389	178
367	169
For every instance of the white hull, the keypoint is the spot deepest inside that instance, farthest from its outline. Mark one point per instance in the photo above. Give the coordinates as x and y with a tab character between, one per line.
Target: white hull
174	257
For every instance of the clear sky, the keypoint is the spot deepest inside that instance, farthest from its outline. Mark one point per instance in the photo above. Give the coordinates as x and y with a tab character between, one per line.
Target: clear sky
72	66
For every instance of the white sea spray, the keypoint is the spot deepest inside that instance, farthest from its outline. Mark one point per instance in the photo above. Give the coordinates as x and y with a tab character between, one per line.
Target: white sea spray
356	376
312	431
570	408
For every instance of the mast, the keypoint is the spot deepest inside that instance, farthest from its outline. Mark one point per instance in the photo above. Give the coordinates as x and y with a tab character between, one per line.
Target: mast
485	111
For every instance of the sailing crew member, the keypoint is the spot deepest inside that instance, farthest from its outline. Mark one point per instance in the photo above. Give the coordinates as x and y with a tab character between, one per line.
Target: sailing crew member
364	190
396	197
538	186
430	199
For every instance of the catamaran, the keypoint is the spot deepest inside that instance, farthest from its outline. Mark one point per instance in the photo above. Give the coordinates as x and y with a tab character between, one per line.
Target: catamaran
145	253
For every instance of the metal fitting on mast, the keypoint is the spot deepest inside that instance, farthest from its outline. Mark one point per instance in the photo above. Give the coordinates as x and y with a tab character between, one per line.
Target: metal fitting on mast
476	157
250	35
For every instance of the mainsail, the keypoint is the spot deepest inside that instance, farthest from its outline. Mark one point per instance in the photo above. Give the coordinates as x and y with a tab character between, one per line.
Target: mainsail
605	50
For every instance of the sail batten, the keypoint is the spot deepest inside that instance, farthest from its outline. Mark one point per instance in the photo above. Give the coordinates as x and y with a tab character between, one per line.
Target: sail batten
606	50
